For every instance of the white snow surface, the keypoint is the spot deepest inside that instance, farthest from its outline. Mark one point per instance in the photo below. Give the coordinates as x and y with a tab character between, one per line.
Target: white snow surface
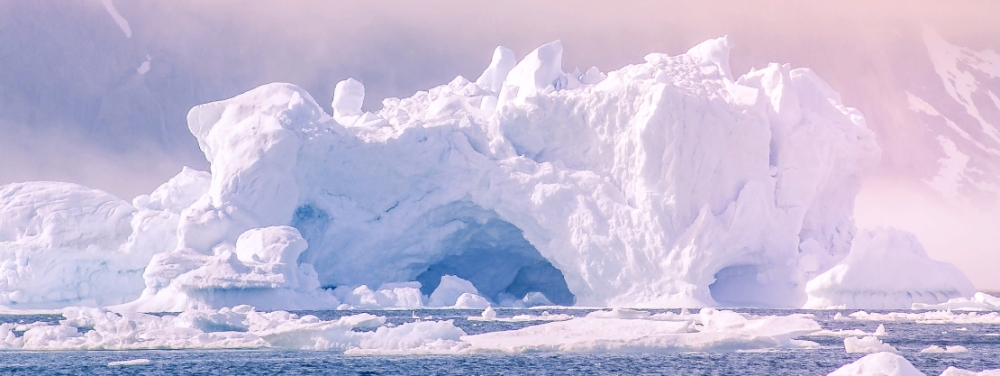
668	183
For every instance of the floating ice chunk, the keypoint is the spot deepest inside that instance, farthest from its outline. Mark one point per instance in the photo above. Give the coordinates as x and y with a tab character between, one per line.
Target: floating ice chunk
388	296
952	371
592	334
980	302
132	362
450	290
879	332
935	349
239	327
887	268
489	313
493	77
879	364
428	337
619	313
933	317
471	301
866	345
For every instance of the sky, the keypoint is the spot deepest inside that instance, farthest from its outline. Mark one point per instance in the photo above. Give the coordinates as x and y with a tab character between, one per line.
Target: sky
74	106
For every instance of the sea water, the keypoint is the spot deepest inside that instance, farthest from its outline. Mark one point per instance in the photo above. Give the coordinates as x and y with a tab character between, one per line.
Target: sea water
982	342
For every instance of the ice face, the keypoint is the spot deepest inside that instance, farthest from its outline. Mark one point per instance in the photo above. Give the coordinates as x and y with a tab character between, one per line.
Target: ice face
64	244
666	183
493	77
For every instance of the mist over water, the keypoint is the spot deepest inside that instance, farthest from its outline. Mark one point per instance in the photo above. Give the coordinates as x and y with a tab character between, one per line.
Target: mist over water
75	107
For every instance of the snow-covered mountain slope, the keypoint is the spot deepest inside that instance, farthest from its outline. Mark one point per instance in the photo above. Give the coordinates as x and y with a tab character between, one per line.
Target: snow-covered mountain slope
965	120
666	183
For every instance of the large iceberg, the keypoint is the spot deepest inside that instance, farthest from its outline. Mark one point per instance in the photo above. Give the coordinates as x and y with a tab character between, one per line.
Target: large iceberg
668	183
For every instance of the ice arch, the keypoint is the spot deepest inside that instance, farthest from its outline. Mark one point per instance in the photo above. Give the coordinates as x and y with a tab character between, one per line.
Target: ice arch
495	257
460	239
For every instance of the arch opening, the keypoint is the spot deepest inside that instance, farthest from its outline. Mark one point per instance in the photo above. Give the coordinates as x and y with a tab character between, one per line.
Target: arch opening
496	258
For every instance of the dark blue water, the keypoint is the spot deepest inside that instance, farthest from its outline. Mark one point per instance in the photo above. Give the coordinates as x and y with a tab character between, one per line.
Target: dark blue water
909	338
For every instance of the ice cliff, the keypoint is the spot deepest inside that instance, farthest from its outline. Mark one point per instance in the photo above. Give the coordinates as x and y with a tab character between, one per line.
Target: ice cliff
667	183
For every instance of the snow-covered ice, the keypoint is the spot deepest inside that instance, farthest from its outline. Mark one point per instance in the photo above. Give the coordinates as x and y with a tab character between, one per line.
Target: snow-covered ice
667	183
935	349
892	364
133	362
879	364
952	371
980	301
867	345
245	327
931	317
489	314
879	332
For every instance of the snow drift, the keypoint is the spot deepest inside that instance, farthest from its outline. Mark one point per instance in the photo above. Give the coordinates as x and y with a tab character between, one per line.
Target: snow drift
665	183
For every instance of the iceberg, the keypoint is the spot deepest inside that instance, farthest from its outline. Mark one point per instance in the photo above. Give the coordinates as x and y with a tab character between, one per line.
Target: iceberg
667	183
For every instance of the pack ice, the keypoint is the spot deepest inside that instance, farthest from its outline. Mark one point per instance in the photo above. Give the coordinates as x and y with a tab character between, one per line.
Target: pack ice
668	183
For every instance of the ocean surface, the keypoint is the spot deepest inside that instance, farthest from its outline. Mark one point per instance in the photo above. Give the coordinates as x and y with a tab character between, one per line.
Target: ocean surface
982	341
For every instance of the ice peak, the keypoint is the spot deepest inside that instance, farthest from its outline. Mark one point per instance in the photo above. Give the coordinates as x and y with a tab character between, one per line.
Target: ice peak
348	97
536	72
494	75
715	51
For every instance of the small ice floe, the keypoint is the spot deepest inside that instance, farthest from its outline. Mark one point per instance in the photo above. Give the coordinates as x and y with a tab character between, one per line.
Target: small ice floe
879	332
867	345
491	315
931	317
935	349
133	362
